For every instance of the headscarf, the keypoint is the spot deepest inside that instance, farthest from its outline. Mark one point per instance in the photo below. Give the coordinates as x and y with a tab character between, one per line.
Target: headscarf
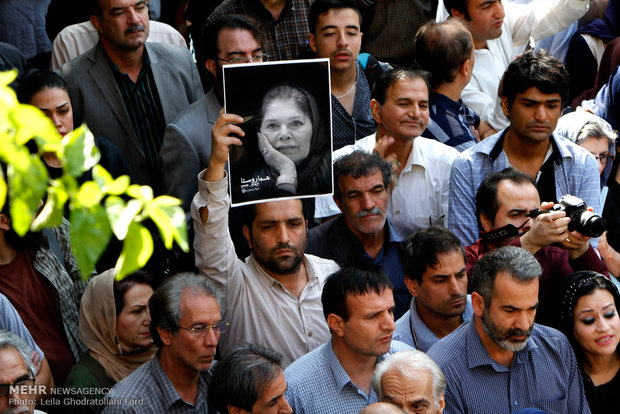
570	125
607	28
98	329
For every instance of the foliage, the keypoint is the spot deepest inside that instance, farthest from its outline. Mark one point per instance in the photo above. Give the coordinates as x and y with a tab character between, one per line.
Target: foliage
98	208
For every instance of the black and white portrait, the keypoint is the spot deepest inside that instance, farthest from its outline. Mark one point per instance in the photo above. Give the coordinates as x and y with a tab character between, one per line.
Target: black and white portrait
287	146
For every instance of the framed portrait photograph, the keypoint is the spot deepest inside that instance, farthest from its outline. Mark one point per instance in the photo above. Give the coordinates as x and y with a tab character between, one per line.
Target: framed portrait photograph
287	147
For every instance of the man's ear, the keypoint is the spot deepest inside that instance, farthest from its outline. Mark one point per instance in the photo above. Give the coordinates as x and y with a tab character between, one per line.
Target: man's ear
5	222
457	14
312	42
412	286
94	20
210	66
505	106
336	324
248	235
375	108
477	302
441	403
234	410
487	224
466	67
166	336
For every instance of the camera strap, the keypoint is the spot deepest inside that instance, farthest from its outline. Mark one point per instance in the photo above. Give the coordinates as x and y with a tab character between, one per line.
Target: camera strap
502	233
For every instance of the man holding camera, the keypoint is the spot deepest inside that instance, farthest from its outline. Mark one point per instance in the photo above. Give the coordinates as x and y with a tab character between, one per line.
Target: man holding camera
504	203
533	91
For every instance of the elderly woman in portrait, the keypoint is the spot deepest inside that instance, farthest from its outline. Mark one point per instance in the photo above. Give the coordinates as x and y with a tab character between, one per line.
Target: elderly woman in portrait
295	147
114	326
589	318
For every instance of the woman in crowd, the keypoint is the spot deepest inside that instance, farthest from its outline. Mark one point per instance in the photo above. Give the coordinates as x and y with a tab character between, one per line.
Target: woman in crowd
114	326
589	318
295	146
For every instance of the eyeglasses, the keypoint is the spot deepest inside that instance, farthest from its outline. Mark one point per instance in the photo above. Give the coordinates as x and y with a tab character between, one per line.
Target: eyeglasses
603	157
25	381
201	330
244	59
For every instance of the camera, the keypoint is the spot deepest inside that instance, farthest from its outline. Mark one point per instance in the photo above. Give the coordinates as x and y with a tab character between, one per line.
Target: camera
581	220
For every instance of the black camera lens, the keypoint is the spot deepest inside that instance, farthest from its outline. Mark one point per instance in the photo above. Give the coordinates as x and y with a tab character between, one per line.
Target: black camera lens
590	224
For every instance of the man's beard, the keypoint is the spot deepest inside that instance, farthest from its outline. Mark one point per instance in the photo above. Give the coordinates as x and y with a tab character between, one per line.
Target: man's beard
503	337
282	266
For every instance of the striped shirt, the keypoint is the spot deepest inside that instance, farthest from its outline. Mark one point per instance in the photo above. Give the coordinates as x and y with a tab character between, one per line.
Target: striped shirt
145	113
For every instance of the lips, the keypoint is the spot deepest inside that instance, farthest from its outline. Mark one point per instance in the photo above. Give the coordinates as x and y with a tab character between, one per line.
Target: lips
604	340
456	302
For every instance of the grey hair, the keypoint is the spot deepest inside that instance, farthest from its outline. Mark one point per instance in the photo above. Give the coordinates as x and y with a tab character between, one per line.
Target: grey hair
242	375
597	128
10	340
405	362
165	303
518	262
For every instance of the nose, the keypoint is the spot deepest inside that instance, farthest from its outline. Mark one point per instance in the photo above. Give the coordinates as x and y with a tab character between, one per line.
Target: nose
285	408
528	225
56	121
454	288
284	133
366	201
414	112
211	338
499	11
602	325
523	321
133	16
342	40
540	114
282	236
388	321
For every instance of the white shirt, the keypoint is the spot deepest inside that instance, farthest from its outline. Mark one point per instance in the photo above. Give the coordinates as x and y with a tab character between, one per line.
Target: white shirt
259	308
422	189
77	38
537	20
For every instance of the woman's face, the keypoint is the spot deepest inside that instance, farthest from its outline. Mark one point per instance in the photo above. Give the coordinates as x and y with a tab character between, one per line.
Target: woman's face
56	105
132	324
599	148
288	129
597	325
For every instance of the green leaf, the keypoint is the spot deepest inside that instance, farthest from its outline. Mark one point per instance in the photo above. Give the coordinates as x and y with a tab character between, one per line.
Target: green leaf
107	183
121	214
90	234
141	192
89	195
170	220
27	185
80	151
137	249
31	122
3	187
53	210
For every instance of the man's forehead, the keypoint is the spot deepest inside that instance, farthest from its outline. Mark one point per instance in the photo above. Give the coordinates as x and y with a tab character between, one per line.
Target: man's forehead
12	365
536	95
409	88
322	18
279	210
363	182
111	4
233	38
507	291
509	193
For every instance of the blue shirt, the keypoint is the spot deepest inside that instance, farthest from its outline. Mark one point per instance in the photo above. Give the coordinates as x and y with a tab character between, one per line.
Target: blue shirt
317	383
451	122
334	240
575	172
543	375
411	330
605	104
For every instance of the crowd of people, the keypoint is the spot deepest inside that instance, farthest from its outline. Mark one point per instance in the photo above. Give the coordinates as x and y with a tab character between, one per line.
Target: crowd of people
465	263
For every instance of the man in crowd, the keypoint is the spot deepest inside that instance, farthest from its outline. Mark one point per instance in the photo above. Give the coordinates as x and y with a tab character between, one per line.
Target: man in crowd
503	202
284	23
434	262
186	324
249	379
533	91
335	33
496	33
411	380
422	166
273	298
17	375
362	234
502	360
358	305
446	51
230	39
126	90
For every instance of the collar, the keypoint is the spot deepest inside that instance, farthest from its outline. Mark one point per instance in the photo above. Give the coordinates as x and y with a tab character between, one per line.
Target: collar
424	337
270	282
146	63
169	394
559	150
444	102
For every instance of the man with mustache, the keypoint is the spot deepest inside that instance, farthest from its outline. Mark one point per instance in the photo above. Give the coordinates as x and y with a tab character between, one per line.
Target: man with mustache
127	90
501	360
362	234
335	33
434	263
502	203
273	298
534	90
496	33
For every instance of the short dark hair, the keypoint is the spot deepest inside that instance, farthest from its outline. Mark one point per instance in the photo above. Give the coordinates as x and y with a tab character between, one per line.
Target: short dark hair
165	304
441	49
120	287
360	163
242	375
580	284
351	280
518	262
38	81
459	5
389	78
211	32
534	69
318	7
486	197
421	250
